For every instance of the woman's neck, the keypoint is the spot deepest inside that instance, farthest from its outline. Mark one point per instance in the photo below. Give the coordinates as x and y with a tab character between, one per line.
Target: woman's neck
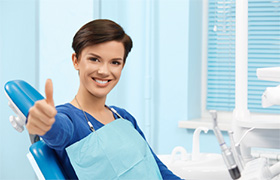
89	102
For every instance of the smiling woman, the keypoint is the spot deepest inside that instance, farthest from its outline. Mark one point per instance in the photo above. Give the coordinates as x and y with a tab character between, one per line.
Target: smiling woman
100	68
90	138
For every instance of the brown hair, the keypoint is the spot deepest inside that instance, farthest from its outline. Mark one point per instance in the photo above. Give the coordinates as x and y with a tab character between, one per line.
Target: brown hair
100	31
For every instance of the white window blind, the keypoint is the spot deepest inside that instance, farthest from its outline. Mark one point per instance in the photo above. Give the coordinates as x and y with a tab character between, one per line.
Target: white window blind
263	51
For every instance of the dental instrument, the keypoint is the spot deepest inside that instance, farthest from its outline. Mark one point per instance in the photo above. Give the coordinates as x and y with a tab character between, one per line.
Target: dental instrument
258	169
236	151
226	152
243	136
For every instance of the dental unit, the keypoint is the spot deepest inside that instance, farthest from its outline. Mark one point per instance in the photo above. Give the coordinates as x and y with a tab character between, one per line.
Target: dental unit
264	134
247	130
260	132
196	165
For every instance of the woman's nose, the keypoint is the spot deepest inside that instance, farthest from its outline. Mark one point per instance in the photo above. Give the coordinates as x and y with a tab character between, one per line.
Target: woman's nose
103	69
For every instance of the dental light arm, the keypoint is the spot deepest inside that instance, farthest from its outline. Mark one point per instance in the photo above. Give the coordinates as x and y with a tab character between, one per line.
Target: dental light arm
226	152
269	74
271	96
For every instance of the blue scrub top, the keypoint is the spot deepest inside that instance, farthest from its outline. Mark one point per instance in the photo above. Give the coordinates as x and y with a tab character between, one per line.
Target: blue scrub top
71	126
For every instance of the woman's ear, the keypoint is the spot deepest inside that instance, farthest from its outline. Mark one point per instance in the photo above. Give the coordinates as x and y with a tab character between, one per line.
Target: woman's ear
75	61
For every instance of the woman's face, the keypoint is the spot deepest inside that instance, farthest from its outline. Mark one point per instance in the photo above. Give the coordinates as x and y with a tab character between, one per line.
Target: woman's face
100	67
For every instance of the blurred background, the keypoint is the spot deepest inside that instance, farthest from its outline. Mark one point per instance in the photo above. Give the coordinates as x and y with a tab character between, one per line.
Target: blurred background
163	81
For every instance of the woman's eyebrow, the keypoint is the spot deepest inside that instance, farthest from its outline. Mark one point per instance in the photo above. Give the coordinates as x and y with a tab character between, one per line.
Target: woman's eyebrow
121	59
92	54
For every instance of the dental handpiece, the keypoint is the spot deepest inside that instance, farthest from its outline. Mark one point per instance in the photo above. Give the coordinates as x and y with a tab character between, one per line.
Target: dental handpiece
226	152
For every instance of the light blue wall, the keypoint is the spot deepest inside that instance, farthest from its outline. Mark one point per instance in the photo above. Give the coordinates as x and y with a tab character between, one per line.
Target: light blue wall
194	59
17	61
172	73
59	21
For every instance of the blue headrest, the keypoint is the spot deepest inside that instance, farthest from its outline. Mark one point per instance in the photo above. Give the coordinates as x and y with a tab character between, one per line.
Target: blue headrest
22	94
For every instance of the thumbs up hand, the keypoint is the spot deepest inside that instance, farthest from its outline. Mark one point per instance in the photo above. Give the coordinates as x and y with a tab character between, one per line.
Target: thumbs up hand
41	115
49	92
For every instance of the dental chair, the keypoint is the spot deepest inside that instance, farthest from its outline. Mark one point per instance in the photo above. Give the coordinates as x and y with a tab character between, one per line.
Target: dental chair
43	159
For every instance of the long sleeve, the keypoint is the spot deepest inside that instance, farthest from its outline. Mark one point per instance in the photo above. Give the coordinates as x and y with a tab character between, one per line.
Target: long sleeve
61	132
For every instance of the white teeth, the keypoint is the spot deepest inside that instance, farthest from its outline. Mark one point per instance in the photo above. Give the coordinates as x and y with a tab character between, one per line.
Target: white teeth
101	82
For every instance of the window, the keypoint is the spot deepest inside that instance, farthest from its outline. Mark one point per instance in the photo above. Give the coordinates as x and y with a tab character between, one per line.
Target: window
263	51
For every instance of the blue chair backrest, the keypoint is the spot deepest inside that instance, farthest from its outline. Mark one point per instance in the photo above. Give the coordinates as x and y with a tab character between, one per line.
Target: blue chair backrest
24	96
47	161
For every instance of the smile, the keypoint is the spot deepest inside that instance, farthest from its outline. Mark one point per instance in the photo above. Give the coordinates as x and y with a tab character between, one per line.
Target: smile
101	82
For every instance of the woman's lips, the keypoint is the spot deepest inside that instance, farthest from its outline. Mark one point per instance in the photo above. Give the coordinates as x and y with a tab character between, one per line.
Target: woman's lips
101	82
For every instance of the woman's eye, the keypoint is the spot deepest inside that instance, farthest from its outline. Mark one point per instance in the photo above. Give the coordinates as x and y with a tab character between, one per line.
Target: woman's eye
93	59
116	63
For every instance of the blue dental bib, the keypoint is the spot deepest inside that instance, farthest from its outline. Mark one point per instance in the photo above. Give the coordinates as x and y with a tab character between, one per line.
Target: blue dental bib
115	151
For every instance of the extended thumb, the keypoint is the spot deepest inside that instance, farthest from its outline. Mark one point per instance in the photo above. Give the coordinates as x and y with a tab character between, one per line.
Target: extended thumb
49	92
